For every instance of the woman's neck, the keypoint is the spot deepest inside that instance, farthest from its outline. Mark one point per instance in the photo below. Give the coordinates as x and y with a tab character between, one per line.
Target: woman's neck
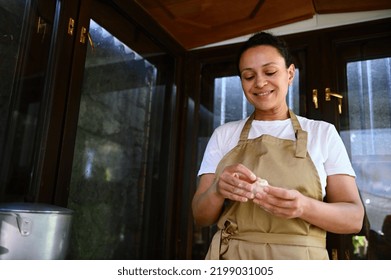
281	113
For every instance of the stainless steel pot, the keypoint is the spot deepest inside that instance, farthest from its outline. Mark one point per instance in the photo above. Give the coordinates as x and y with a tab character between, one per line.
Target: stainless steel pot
34	231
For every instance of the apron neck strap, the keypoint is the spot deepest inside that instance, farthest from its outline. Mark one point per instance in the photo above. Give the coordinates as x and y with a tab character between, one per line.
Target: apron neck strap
246	129
301	135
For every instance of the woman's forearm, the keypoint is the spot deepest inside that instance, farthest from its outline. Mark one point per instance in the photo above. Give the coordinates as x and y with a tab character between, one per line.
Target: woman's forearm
344	211
207	202
336	217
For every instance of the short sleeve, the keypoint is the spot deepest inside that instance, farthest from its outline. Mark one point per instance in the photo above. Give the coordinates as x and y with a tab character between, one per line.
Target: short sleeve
337	159
212	155
223	139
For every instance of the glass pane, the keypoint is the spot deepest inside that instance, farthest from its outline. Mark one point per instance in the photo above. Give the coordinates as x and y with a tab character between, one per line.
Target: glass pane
369	139
10	30
230	103
118	136
293	97
24	59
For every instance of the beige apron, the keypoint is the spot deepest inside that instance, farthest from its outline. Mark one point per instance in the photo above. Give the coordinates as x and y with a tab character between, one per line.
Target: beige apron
248	232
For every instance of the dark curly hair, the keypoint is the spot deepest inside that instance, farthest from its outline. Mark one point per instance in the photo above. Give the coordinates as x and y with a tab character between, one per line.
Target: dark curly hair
264	38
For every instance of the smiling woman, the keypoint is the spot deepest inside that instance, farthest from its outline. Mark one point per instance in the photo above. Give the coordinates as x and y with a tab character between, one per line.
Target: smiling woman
288	219
265	80
266	70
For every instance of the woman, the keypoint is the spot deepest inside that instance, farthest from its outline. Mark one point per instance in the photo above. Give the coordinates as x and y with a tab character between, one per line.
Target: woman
304	162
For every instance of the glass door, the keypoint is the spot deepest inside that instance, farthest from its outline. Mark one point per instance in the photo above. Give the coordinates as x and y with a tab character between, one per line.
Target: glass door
361	68
349	67
368	137
119	185
26	52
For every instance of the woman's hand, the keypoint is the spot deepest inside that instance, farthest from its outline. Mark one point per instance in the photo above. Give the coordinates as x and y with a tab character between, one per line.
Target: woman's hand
281	202
235	183
342	213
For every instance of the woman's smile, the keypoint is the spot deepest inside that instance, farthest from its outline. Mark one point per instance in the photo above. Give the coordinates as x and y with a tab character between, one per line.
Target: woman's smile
263	93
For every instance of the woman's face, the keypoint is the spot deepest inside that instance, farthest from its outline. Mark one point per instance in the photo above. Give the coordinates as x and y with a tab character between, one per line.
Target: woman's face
265	79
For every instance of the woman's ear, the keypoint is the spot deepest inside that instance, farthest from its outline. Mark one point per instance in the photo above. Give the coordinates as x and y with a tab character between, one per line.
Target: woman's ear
291	73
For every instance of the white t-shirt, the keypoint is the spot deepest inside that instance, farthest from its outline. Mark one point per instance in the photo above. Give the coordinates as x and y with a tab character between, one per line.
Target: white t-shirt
325	146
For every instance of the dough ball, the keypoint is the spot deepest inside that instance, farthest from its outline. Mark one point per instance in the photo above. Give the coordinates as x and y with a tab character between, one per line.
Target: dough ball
259	184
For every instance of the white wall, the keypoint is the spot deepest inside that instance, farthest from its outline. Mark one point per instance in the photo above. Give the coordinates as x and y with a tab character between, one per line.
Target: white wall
317	22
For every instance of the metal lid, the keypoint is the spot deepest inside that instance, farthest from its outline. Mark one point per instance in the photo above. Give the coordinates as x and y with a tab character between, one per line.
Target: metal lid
23	207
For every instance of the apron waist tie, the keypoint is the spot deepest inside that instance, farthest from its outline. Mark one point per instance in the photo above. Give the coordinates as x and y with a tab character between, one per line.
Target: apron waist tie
222	237
279	238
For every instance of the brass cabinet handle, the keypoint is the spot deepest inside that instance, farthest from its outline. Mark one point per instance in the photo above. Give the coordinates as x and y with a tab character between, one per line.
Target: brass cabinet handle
329	94
41	27
71	26
83	35
315	98
90	41
86	35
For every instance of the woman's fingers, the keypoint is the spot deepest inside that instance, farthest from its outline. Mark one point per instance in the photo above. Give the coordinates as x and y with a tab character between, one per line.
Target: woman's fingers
280	202
235	183
244	173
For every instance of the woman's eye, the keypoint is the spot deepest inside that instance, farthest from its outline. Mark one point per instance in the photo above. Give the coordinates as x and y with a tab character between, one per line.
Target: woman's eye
248	78
271	73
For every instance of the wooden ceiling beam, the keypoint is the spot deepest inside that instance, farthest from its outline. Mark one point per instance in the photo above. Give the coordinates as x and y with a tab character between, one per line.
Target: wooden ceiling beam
195	23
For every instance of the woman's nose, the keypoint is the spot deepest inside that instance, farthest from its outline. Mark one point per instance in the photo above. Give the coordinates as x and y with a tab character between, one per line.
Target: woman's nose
260	82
